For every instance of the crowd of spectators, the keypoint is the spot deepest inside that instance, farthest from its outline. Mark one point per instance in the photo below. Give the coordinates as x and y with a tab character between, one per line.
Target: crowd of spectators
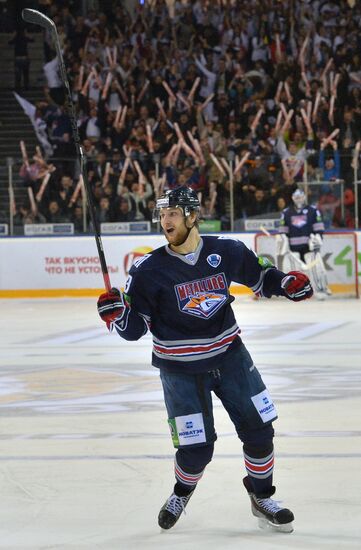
258	94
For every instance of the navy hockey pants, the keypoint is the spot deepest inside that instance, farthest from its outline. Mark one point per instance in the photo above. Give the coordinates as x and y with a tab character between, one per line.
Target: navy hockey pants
239	386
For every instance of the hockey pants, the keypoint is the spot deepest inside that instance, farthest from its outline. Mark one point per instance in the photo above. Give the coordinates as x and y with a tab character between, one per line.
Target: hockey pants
239	386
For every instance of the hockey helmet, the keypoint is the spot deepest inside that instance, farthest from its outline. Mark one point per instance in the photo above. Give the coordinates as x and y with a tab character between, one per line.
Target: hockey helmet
299	198
180	197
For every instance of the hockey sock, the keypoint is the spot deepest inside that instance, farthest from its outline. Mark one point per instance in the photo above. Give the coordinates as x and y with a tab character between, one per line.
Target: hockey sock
186	481
182	490
259	466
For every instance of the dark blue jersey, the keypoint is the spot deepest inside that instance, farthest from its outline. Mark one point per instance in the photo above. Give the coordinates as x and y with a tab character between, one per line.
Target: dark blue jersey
298	224
185	301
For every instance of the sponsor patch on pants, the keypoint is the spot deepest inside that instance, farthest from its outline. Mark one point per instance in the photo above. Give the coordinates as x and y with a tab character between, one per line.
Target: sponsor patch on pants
187	430
264	405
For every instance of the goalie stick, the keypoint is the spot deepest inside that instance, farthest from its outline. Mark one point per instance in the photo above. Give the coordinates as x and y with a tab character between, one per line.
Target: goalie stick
38	18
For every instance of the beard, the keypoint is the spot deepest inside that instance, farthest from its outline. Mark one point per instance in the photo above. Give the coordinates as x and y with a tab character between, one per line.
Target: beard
178	236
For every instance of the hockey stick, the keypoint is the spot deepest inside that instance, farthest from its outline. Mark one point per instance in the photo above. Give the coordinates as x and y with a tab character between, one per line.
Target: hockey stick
38	18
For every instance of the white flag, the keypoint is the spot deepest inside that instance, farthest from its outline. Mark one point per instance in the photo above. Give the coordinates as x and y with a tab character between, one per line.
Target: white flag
37	122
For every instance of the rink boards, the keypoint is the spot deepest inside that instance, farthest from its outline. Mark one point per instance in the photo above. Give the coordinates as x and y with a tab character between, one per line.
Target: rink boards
69	266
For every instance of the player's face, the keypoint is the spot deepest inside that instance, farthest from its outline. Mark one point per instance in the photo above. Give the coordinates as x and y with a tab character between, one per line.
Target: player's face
174	226
299	202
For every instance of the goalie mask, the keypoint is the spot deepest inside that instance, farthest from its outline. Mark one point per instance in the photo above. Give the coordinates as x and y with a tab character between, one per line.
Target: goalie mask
299	199
180	197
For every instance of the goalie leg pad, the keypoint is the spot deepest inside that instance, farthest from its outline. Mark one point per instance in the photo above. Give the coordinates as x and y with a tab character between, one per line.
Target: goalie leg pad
317	272
291	261
282	245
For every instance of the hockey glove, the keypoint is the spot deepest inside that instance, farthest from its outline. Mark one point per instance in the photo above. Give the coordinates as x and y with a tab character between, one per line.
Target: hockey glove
111	306
297	286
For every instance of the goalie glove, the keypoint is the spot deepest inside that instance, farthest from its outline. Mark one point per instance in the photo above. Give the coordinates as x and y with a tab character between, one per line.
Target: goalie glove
315	242
112	306
297	286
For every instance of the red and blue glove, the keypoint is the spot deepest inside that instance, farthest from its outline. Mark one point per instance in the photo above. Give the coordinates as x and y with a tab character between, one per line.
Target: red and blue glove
297	286
111	306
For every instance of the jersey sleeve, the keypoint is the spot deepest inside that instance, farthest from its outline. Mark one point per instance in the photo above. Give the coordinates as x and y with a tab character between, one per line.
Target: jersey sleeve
138	317
255	272
317	223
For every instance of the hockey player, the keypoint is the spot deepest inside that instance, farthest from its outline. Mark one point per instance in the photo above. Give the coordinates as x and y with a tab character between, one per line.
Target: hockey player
180	292
301	230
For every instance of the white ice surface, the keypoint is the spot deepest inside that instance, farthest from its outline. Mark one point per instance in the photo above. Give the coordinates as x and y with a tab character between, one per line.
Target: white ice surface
86	459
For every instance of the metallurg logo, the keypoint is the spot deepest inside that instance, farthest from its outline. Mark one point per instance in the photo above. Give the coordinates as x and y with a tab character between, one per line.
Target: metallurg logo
299	220
202	297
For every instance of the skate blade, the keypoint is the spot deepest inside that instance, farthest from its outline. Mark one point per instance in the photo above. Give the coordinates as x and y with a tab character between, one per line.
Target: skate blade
275	527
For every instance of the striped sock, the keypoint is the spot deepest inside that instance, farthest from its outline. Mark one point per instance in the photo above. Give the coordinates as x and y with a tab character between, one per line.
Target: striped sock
260	471
186	478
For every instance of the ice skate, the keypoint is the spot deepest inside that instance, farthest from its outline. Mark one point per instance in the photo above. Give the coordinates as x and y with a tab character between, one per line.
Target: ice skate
269	513
320	295
172	510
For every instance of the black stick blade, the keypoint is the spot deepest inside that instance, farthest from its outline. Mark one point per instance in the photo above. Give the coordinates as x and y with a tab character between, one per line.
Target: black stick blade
37	18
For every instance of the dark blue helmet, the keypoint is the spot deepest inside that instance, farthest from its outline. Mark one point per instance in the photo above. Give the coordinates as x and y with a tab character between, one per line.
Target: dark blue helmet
180	197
